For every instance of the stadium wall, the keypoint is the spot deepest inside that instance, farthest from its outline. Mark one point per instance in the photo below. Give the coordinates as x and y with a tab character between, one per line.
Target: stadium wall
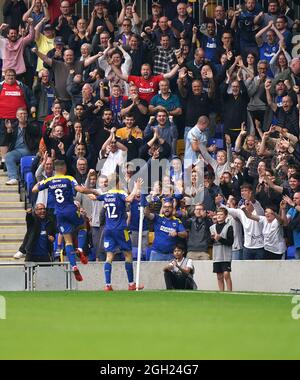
250	276
254	276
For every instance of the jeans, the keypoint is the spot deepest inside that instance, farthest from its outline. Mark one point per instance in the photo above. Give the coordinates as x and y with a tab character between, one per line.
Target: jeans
237	255
272	256
156	256
179	281
12	159
253	254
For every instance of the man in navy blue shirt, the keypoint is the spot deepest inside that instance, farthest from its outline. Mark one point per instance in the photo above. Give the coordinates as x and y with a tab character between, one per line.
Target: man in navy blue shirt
183	23
167	230
37	243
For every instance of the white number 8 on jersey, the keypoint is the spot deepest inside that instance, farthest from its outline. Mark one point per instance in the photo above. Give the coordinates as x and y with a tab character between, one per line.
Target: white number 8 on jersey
59	196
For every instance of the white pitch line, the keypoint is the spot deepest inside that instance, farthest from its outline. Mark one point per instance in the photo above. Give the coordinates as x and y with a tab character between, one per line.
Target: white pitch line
238	293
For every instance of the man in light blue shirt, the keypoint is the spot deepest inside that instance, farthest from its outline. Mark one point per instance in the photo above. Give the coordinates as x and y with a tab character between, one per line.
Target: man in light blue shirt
198	134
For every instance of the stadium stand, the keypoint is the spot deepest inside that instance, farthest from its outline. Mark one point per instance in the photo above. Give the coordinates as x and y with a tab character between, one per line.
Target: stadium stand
199	99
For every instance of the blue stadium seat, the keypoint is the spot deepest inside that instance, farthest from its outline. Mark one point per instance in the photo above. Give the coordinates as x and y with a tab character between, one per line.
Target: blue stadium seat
290	255
25	165
29	182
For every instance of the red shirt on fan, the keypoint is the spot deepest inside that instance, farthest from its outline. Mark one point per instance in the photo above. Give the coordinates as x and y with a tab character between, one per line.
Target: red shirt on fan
147	87
11	98
62	121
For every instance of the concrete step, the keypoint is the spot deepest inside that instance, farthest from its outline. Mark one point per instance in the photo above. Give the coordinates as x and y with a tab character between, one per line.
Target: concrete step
8	189
10	247
3	181
9	259
11	205
3	177
13	229
4	186
11	222
10	237
11	214
9	197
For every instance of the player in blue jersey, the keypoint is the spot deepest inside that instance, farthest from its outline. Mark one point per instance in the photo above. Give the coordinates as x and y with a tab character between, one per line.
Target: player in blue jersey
63	187
167	230
116	233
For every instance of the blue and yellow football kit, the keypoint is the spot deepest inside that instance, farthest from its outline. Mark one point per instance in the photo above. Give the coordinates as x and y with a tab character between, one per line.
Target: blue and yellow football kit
62	189
116	234
163	242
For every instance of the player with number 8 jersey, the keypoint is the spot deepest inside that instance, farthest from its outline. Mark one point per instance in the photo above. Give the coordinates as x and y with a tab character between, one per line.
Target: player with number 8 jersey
63	188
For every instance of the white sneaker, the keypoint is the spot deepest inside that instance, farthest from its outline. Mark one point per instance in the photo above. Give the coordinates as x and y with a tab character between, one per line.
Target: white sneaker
19	255
12	181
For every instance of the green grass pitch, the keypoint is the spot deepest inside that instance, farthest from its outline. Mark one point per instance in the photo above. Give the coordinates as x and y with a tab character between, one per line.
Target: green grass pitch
148	325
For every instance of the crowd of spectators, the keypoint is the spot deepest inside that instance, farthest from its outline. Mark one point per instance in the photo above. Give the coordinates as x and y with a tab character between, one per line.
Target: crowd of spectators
211	106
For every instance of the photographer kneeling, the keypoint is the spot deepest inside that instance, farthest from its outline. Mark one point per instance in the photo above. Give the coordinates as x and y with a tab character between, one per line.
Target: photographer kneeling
179	272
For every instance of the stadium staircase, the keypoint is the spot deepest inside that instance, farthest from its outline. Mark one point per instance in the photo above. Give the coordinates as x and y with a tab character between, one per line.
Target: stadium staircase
12	219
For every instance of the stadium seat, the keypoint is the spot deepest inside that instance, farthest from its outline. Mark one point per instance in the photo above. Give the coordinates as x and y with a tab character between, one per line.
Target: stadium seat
25	165
180	147
29	183
150	238
290	255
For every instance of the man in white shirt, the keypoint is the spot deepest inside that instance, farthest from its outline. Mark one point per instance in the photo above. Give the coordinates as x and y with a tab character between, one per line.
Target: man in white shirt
179	272
272	224
112	155
254	240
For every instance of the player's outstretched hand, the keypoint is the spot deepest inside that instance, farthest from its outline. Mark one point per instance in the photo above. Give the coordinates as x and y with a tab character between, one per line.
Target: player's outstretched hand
92	197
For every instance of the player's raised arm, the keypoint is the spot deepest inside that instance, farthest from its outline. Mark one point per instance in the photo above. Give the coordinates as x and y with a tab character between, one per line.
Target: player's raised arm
86	190
39	186
137	187
35	188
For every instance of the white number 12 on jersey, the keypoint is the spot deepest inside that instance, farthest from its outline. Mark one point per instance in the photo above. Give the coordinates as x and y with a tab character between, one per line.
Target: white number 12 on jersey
111	211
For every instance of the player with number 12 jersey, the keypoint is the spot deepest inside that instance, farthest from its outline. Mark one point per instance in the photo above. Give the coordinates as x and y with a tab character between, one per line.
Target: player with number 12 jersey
116	233
115	205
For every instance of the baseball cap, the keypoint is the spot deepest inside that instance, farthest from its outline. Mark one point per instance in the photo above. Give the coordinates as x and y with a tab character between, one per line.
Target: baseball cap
48	27
59	41
155	4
